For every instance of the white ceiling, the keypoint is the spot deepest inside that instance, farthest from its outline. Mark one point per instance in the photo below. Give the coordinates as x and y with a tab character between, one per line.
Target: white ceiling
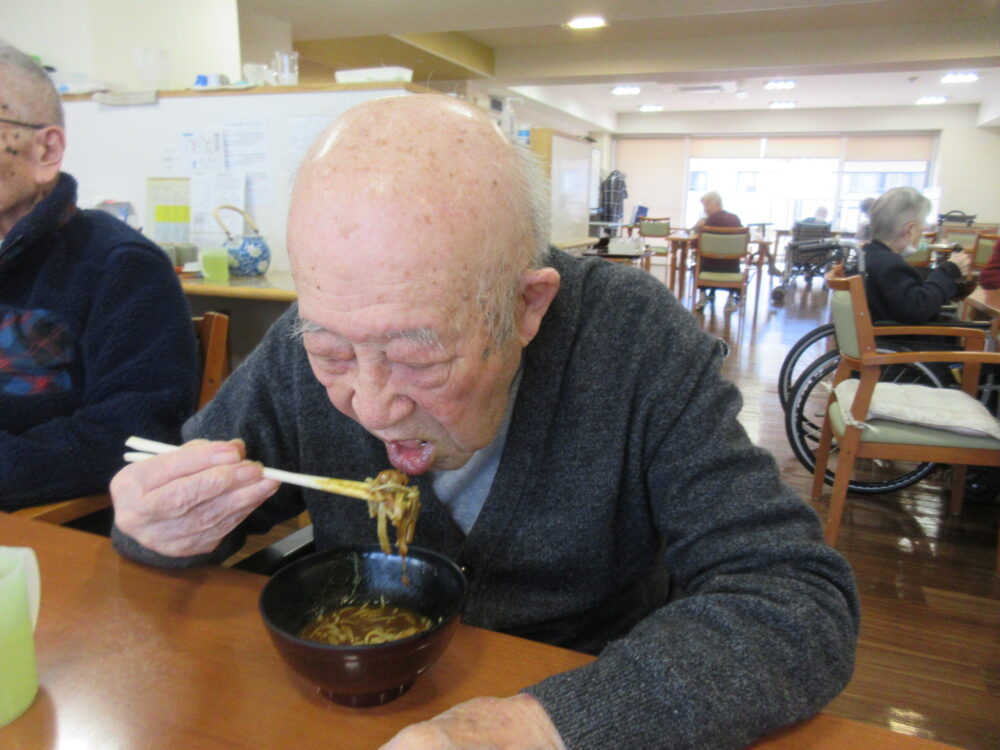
841	53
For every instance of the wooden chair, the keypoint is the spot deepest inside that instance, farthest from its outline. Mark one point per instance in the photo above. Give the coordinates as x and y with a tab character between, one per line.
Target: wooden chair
212	331
725	244
861	436
656	229
964	236
983	249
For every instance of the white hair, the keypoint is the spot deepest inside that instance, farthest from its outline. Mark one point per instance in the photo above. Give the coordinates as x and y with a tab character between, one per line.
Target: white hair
499	283
896	208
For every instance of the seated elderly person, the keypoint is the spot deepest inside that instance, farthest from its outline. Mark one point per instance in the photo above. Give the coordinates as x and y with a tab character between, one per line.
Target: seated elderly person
96	341
716	218
576	448
896	290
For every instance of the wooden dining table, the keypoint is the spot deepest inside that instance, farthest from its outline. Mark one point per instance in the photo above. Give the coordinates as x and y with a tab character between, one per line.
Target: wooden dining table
131	656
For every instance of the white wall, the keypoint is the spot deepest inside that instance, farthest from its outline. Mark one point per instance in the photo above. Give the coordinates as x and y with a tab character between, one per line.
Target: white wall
968	155
111	151
95	39
262	35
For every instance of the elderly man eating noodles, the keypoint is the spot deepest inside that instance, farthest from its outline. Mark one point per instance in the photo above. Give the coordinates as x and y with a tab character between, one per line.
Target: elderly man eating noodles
576	448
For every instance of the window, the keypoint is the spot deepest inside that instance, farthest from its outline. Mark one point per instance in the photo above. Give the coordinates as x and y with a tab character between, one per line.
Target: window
698	182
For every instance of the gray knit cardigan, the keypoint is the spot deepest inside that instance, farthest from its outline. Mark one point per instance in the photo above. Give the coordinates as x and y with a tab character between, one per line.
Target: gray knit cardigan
630	517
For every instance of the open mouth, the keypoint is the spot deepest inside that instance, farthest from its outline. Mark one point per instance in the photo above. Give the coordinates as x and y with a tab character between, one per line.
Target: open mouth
412	457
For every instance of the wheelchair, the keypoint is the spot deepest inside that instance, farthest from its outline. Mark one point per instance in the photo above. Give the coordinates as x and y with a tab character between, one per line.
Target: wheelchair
805	380
810	253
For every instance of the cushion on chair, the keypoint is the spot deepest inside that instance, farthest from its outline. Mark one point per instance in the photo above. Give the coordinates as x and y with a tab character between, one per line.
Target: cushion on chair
718	276
937	408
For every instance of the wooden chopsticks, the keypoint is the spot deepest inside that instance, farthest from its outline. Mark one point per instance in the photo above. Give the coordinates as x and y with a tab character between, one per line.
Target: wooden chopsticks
148	448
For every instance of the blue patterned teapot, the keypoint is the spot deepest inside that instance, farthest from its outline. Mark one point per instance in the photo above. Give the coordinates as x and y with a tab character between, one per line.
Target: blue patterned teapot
249	254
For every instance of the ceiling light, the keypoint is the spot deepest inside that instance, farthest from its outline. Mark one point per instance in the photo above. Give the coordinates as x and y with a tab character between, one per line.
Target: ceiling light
587	22
741	94
782	105
932	100
779	85
959	78
651	108
625	90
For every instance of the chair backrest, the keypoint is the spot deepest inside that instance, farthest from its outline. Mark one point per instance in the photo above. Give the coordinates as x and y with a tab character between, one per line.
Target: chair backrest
849	313
724	241
810	230
654	227
964	236
212	330
983	249
920	259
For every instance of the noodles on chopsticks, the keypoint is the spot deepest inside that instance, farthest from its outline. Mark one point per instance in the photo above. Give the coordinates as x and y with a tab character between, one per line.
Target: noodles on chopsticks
394	501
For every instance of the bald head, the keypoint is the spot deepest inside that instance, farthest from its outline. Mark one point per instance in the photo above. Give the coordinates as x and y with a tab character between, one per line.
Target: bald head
418	181
27	94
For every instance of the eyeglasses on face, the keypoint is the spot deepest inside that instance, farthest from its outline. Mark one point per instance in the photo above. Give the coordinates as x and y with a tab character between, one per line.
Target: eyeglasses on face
32	125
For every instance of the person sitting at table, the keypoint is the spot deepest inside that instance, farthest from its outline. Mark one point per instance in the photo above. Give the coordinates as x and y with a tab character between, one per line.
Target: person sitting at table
896	290
818	218
716	217
576	448
989	277
96	341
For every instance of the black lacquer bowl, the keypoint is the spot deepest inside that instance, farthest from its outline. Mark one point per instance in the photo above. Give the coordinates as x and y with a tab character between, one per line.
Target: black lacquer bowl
363	675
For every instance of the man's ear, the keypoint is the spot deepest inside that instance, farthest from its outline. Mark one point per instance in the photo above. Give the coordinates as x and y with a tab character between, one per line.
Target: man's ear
48	147
538	289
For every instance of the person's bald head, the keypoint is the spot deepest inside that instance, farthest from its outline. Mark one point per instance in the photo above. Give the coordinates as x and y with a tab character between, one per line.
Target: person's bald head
27	94
421	180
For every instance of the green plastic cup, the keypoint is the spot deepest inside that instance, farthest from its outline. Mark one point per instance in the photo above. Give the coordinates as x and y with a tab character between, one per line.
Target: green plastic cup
215	264
19	598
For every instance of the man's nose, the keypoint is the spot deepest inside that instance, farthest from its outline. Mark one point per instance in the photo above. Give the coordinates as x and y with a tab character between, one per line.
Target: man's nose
376	403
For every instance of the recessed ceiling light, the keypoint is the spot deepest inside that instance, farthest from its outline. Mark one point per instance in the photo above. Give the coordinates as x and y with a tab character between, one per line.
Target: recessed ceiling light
625	90
932	100
587	22
782	105
741	94
968	77
651	108
779	85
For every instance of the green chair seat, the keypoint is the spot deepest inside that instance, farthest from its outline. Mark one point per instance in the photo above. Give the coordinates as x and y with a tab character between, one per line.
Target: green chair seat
888	431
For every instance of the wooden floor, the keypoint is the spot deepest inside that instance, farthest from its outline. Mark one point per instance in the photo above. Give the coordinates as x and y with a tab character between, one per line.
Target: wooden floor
928	662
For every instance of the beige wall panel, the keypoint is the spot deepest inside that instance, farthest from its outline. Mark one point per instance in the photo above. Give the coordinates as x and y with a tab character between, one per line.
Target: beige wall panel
656	173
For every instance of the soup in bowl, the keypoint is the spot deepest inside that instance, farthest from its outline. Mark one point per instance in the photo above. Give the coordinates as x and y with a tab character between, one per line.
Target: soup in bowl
346	620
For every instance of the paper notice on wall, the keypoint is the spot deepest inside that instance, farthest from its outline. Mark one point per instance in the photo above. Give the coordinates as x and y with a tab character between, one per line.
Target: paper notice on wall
209	190
168	209
203	150
246	148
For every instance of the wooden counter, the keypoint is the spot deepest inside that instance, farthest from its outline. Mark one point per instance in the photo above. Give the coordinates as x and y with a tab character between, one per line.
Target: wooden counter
274	285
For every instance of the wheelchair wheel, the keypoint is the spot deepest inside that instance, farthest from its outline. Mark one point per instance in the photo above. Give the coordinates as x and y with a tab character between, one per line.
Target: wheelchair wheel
804	421
803	353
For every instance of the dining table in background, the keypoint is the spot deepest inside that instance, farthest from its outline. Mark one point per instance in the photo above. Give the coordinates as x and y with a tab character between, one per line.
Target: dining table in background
133	657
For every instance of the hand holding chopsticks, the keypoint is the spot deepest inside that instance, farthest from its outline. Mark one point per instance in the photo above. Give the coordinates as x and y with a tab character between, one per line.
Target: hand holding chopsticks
361	490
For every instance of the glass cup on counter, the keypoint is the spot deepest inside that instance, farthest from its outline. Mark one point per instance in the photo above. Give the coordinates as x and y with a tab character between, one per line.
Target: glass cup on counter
286	68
